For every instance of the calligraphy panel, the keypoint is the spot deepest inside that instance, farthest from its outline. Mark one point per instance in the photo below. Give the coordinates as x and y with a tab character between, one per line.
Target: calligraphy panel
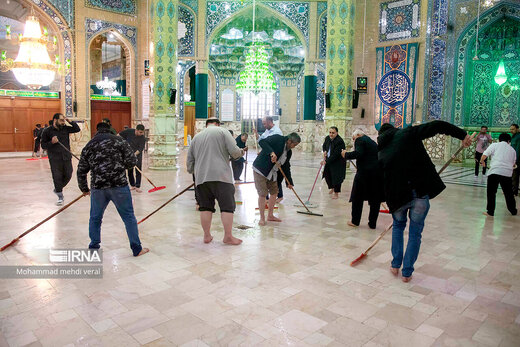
395	85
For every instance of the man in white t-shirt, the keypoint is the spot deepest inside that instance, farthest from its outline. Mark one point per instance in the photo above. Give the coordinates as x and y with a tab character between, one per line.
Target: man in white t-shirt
503	158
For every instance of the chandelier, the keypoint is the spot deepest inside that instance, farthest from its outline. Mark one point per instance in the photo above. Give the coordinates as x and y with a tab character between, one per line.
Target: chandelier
33	67
501	77
108	87
256	77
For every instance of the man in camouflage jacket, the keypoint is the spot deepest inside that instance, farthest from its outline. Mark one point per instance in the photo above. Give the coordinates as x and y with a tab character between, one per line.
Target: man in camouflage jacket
107	157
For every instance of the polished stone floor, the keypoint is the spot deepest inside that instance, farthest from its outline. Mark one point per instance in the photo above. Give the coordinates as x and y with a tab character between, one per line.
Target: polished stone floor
288	283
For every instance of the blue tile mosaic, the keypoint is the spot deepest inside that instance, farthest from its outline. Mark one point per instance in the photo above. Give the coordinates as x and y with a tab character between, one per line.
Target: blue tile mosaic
320	95
66	9
436	76
185	66
217	89
399	20
322	53
187	42
193	4
322	7
118	6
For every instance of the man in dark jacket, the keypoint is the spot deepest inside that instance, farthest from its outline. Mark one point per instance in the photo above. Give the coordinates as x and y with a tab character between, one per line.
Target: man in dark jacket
335	166
136	140
367	185
515	143
410	180
238	165
60	158
37	137
275	148
107	157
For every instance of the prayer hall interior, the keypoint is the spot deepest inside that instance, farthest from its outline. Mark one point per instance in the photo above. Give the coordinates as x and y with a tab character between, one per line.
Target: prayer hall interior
313	70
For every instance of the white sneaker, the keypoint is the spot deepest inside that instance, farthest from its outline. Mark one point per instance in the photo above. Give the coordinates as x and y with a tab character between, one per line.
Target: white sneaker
59	202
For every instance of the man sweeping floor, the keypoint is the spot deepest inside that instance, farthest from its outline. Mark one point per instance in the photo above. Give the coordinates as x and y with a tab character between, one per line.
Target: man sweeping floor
410	181
107	157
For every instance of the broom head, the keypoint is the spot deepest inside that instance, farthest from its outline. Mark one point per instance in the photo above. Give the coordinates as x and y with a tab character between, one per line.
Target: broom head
358	259
156	189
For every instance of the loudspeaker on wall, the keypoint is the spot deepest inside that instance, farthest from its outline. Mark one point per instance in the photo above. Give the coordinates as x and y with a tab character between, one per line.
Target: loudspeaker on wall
327	100
173	93
355	98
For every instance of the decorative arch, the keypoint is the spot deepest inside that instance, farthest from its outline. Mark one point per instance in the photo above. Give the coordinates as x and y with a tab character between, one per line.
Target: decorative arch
213	28
320	93
465	41
186	65
187	43
216	76
127	35
65	45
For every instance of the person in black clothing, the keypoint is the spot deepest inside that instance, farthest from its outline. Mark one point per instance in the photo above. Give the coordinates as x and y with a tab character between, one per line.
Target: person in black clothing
275	148
335	166
60	158
238	165
135	137
367	185
37	136
112	130
107	157
410	181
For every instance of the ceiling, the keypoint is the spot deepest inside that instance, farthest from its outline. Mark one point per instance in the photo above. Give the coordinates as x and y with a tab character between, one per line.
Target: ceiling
228	48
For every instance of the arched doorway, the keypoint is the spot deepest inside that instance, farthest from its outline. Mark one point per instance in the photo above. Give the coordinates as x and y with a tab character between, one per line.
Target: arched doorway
20	108
110	81
478	100
286	48
486	102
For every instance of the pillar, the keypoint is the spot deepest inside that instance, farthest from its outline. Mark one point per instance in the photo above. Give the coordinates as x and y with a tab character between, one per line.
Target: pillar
340	55
163	120
309	109
201	95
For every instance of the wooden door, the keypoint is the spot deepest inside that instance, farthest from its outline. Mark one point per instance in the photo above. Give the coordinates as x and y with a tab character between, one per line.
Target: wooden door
18	118
119	113
6	130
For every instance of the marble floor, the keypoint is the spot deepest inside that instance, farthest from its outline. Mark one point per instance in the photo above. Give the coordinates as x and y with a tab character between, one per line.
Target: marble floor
288	284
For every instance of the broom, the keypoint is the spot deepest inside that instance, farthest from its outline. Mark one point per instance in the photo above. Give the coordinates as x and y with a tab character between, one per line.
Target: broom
294	191
364	254
43	221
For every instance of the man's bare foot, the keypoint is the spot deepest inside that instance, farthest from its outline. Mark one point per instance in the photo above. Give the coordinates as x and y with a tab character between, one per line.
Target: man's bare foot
394	271
196	207
138	190
231	241
335	196
132	188
352	224
208	239
273	219
487	214
279	200
331	191
407	279
143	251
261	222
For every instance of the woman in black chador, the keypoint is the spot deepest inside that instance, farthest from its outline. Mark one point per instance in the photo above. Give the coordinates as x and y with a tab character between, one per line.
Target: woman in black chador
335	166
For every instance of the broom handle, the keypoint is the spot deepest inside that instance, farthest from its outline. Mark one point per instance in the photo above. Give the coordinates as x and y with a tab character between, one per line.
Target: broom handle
145	176
68	150
245	164
309	199
43	221
166	203
280	168
379	238
454	155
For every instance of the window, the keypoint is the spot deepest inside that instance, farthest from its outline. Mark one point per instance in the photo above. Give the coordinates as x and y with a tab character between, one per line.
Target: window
254	108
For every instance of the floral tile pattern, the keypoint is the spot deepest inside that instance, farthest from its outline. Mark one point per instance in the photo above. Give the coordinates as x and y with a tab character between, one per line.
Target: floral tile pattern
119	6
399	20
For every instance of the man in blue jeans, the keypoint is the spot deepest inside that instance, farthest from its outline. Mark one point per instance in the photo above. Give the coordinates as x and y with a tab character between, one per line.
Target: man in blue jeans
410	181
107	157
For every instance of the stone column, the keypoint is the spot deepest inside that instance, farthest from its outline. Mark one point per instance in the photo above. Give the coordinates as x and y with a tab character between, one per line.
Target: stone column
309	109
163	120
201	94
340	55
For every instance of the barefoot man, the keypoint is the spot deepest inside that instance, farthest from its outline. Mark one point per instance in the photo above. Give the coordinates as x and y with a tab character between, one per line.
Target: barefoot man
208	159
275	148
107	157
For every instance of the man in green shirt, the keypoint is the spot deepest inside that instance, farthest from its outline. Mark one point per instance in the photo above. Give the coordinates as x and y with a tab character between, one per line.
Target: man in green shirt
515	143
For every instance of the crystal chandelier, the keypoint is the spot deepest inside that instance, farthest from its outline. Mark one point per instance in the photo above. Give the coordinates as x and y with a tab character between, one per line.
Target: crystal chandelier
33	67
256	77
108	87
501	77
